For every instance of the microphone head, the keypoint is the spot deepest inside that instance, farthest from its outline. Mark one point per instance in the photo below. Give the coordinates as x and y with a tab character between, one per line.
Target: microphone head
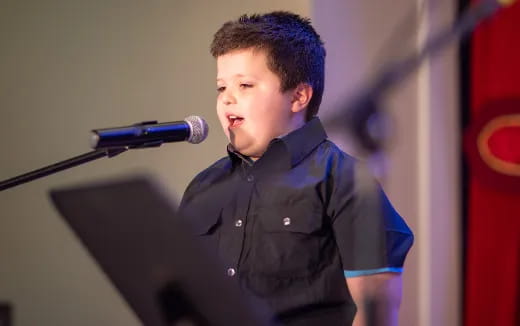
198	129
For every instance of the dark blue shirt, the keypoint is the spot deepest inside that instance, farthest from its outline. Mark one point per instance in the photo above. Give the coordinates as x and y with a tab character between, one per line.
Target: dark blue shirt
292	225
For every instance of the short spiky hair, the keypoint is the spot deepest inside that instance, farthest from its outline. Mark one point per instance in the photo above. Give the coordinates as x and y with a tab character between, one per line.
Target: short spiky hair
294	50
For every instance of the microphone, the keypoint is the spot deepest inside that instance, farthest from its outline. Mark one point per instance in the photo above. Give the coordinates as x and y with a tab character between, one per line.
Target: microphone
192	129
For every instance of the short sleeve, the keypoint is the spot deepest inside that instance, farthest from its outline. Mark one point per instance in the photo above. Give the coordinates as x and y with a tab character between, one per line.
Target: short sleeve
371	236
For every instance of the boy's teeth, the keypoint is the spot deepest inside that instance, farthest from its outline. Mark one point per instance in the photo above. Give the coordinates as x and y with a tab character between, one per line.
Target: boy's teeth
234	117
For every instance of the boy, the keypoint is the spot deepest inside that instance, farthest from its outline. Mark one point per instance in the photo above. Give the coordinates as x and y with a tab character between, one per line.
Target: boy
285	210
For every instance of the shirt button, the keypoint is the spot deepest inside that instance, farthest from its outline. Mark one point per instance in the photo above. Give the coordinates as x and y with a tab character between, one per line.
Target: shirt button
250	178
238	223
286	221
231	272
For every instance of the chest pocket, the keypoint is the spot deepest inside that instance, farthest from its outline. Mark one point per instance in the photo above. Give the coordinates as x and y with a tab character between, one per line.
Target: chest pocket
288	239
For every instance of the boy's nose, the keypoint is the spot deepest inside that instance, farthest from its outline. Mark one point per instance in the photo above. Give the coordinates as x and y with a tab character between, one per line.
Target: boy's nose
228	98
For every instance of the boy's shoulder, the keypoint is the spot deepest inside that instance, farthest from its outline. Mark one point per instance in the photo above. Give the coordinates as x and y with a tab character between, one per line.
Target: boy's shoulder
210	174
219	167
333	152
339	165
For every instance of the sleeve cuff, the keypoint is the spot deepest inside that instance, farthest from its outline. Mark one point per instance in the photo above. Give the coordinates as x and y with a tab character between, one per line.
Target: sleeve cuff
373	271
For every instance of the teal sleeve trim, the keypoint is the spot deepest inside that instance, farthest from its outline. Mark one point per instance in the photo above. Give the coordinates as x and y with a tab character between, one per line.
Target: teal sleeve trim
373	271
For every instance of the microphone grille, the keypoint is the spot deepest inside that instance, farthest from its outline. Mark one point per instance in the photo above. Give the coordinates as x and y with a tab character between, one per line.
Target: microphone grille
198	129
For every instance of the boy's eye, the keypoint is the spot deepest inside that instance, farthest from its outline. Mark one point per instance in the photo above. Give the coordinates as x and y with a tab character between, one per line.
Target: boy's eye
221	89
245	85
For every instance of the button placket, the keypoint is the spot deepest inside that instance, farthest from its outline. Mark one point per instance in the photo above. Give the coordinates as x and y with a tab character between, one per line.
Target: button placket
236	240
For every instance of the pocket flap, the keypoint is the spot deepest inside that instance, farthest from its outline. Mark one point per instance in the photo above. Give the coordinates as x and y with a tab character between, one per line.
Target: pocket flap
203	221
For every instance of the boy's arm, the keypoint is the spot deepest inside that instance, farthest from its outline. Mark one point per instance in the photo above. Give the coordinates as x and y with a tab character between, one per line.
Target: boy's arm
377	298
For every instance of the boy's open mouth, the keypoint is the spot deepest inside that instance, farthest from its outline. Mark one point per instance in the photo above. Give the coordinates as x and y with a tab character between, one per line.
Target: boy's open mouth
234	120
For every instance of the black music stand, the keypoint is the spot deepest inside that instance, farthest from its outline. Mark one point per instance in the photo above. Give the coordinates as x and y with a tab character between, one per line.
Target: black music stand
131	229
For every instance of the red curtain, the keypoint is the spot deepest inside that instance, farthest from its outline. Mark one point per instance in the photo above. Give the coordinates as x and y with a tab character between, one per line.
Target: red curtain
492	280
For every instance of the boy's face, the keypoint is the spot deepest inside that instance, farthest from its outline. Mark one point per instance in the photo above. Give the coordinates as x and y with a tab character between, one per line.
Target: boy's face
250	105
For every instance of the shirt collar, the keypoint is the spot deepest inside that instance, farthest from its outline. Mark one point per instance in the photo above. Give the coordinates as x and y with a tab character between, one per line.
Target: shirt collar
237	157
295	146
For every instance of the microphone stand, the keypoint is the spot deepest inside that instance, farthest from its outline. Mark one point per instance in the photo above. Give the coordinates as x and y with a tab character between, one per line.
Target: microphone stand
361	114
77	160
60	166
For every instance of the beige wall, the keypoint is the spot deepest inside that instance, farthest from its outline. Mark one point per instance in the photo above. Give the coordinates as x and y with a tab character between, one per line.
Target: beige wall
67	66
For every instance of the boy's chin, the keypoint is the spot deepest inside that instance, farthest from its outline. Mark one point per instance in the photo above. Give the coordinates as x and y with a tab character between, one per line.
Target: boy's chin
246	145
246	150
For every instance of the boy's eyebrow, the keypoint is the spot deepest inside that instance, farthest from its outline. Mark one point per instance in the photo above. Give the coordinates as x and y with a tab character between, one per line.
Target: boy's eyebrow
237	75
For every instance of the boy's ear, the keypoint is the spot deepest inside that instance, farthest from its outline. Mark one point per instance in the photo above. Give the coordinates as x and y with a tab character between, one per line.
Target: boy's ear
302	95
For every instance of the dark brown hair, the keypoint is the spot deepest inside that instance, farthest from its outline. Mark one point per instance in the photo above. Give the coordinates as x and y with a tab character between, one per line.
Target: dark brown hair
294	50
